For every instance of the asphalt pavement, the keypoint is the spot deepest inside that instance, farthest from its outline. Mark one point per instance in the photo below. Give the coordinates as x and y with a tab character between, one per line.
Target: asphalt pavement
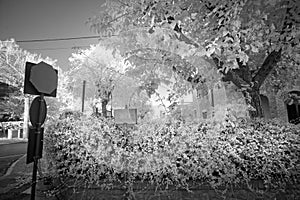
14	173
10	153
16	182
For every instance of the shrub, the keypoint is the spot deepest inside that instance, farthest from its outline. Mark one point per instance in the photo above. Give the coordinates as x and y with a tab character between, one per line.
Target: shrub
174	153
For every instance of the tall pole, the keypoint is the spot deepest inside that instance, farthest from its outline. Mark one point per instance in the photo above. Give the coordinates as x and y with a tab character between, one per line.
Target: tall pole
26	117
37	148
83	94
212	102
111	105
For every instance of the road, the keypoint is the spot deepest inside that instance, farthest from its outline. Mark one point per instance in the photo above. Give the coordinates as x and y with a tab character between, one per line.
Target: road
9	153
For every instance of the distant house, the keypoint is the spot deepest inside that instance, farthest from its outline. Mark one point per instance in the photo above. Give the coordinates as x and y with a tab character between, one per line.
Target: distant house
208	103
283	105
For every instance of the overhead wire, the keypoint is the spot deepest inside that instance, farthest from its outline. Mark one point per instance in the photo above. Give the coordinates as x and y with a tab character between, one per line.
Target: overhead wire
55	40
83	37
73	38
55	48
59	39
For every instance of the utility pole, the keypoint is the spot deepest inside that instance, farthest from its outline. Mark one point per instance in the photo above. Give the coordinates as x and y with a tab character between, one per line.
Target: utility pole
83	94
26	117
212	102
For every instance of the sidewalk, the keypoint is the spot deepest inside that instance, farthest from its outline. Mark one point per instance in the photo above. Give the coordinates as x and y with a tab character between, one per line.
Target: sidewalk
18	174
16	179
15	184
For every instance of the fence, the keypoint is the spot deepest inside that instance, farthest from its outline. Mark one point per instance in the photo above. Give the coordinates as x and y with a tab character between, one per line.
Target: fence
13	129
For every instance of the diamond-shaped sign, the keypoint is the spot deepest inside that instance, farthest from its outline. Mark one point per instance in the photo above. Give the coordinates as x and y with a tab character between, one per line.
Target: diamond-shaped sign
44	78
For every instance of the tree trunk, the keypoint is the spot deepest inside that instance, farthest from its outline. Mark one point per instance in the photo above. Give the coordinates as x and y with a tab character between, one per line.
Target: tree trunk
252	98
104	103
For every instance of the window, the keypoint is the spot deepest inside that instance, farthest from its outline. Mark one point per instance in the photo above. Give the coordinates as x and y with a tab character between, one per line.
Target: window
293	107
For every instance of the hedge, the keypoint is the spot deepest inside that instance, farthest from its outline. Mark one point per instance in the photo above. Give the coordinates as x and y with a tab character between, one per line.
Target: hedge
169	152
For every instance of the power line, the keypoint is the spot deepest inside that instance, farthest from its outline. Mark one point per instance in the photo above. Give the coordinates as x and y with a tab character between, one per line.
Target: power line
60	39
76	38
49	49
57	48
81	37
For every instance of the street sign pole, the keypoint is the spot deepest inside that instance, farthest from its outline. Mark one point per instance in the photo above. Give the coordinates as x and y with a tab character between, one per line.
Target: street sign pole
34	173
37	147
83	94
40	79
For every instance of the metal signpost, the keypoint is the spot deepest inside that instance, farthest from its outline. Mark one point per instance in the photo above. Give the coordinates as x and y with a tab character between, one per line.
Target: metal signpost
40	79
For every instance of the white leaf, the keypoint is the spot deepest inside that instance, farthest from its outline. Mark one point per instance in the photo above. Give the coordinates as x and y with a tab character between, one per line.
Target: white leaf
247	47
210	51
235	65
254	49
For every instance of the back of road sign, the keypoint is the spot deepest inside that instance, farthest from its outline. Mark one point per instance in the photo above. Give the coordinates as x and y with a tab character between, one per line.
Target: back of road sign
31	146
40	79
38	109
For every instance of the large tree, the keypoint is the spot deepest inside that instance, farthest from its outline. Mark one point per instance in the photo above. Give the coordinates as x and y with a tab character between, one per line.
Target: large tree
12	72
158	59
11	60
101	68
246	41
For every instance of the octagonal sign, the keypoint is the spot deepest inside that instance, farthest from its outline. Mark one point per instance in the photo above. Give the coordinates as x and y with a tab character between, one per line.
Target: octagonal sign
44	78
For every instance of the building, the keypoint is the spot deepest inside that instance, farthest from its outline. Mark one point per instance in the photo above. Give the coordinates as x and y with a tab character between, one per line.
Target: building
284	104
214	103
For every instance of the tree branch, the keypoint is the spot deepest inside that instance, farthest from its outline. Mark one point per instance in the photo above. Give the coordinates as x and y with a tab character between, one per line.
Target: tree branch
268	65
243	71
182	37
180	65
230	75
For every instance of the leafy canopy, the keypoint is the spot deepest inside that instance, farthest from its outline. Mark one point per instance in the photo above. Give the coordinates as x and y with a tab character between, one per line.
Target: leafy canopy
12	70
236	32
99	66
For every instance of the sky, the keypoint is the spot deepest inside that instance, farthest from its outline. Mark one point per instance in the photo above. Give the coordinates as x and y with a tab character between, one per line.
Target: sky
44	19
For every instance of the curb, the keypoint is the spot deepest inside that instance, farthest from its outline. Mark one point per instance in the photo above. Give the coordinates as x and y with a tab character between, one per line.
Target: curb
13	142
11	168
